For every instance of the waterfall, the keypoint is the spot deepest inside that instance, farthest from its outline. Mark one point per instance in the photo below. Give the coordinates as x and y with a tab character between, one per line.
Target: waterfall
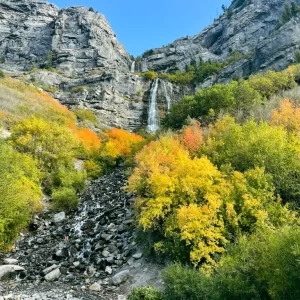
167	96
132	69
153	114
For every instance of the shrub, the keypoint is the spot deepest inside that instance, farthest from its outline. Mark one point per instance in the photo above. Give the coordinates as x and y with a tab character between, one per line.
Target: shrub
150	75
119	145
50	144
2	75
78	89
145	293
183	283
64	199
20	193
93	169
192	209
257	145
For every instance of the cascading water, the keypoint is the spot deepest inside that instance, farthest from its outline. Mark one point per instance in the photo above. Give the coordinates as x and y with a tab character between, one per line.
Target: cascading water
167	96
132	69
153	114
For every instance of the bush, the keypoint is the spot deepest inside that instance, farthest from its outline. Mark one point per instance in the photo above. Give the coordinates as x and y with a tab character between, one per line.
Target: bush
78	89
257	145
20	193
64	198
183	283
192	209
145	293
2	75
93	169
150	75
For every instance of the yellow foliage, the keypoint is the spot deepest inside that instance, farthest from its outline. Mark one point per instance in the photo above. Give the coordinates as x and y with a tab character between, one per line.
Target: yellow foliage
119	143
287	116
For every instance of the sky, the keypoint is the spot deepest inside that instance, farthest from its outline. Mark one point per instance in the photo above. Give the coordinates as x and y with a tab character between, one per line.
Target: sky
142	25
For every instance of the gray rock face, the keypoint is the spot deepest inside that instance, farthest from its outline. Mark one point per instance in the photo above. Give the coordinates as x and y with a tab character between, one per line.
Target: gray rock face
250	29
76	38
84	40
26	32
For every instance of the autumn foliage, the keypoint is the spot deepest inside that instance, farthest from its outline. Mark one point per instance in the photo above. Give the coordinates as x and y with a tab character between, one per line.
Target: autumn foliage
191	136
189	202
119	143
88	138
288	116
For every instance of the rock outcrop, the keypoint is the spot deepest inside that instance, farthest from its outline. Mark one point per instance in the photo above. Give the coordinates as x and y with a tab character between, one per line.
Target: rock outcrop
84	52
249	27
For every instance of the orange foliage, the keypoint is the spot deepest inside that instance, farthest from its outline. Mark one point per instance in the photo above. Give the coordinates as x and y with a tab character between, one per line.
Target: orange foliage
191	137
89	139
120	142
287	116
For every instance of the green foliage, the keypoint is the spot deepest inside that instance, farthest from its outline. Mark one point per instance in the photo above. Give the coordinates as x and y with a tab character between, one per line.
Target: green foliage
297	57
150	75
262	266
148	53
2	60
49	60
290	10
84	114
145	293
20	193
194	74
49	143
182	283
230	98
64	199
2	75
192	208
78	89
257	145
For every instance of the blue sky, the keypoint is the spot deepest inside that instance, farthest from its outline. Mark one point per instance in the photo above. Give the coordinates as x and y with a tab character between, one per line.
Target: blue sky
142	25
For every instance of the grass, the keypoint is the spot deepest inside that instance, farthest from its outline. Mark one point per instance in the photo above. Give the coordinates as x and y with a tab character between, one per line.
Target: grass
19	101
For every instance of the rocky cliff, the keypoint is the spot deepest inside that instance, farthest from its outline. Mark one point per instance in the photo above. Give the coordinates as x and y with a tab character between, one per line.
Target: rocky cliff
248	27
87	66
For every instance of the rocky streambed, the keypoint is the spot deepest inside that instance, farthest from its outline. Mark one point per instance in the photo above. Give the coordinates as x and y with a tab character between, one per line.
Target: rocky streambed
87	254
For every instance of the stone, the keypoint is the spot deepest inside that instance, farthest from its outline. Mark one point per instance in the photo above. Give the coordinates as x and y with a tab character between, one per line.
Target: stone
49	269
96	287
7	270
105	253
10	261
137	255
58	218
53	275
120	277
108	270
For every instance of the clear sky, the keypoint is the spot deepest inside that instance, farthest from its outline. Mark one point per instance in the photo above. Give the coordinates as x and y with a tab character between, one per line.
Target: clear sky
142	25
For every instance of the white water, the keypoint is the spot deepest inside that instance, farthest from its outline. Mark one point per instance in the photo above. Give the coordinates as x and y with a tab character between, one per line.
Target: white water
132	67
167	96
153	114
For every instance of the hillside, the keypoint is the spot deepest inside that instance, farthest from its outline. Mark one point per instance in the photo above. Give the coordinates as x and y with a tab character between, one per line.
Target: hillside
171	176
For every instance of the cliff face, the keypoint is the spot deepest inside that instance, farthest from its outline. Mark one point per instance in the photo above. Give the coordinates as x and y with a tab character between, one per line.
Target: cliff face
249	27
80	44
26	31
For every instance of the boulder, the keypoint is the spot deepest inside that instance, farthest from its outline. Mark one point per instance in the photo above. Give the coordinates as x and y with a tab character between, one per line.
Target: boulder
8	270
53	275
120	277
